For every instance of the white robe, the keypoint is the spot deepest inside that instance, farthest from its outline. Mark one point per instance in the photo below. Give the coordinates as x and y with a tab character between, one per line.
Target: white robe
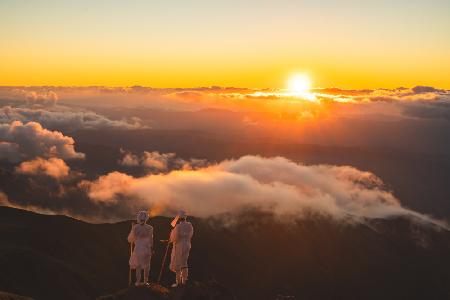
142	237
181	237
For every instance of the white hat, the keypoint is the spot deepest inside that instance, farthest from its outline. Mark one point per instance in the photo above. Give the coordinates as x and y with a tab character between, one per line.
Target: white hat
142	216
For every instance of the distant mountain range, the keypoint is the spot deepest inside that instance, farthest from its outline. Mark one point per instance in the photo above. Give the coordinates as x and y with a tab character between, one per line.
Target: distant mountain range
255	256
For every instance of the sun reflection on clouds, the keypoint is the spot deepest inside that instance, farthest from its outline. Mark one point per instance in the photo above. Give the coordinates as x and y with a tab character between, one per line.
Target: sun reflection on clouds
279	104
285	95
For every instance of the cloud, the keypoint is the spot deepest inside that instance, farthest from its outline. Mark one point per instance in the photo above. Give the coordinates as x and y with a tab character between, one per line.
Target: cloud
273	102
38	96
156	162
363	118
417	93
53	167
129	159
65	118
276	185
426	110
9	152
420	102
426	89
31	140
47	98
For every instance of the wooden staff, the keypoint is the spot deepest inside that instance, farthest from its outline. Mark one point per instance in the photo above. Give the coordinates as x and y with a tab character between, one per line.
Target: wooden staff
164	260
173	224
131	253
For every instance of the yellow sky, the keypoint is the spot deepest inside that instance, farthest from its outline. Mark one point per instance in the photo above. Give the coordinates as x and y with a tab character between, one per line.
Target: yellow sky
235	43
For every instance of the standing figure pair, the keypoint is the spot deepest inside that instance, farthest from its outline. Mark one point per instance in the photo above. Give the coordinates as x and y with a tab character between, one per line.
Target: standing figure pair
142	236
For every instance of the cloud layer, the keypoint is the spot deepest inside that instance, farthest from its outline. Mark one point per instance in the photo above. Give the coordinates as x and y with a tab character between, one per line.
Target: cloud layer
269	184
65	118
39	96
36	125
21	141
156	162
417	102
53	167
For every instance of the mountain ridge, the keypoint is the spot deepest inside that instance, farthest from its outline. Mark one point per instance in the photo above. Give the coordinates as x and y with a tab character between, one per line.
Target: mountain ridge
257	257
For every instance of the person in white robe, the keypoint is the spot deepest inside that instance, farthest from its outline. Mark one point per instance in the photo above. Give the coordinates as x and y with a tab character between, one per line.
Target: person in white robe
180	237
141	235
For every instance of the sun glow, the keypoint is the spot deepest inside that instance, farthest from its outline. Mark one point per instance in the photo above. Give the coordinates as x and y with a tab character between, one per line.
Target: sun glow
299	84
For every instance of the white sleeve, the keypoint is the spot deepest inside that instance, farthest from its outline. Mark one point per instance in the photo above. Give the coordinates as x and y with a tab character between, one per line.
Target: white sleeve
131	237
173	235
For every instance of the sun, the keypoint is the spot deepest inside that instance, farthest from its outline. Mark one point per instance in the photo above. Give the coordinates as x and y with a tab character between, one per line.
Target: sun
299	84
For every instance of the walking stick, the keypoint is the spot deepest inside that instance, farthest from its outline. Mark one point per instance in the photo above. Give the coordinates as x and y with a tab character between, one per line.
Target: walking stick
131	253
129	273
164	261
173	224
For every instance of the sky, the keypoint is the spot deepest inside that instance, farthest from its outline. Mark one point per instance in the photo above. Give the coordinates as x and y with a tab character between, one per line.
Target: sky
347	44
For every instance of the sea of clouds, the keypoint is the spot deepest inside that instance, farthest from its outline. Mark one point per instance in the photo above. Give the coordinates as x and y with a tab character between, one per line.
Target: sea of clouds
33	119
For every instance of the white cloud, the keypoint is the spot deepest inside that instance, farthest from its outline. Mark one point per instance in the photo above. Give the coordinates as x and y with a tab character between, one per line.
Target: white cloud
65	118
36	96
156	162
270	184
53	167
31	140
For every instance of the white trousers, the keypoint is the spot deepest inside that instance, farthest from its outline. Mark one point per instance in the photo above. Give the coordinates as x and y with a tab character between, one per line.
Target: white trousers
182	276
138	275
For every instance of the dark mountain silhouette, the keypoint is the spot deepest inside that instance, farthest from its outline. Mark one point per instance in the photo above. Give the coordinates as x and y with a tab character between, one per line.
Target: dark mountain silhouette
9	296
256	257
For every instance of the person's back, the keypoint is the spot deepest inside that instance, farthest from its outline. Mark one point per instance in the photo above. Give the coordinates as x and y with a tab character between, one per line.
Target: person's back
181	237
141	235
183	233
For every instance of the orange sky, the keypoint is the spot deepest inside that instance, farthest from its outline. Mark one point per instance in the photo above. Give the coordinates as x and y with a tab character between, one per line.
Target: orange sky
235	43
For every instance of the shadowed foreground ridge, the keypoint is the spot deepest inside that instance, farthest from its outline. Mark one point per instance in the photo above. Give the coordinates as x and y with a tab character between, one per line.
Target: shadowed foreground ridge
9	296
193	290
256	258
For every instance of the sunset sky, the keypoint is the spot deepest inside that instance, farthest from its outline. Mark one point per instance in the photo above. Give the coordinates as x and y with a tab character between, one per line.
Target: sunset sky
348	44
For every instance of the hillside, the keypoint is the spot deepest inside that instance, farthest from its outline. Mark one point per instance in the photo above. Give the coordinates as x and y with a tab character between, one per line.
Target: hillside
257	257
191	291
9	296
